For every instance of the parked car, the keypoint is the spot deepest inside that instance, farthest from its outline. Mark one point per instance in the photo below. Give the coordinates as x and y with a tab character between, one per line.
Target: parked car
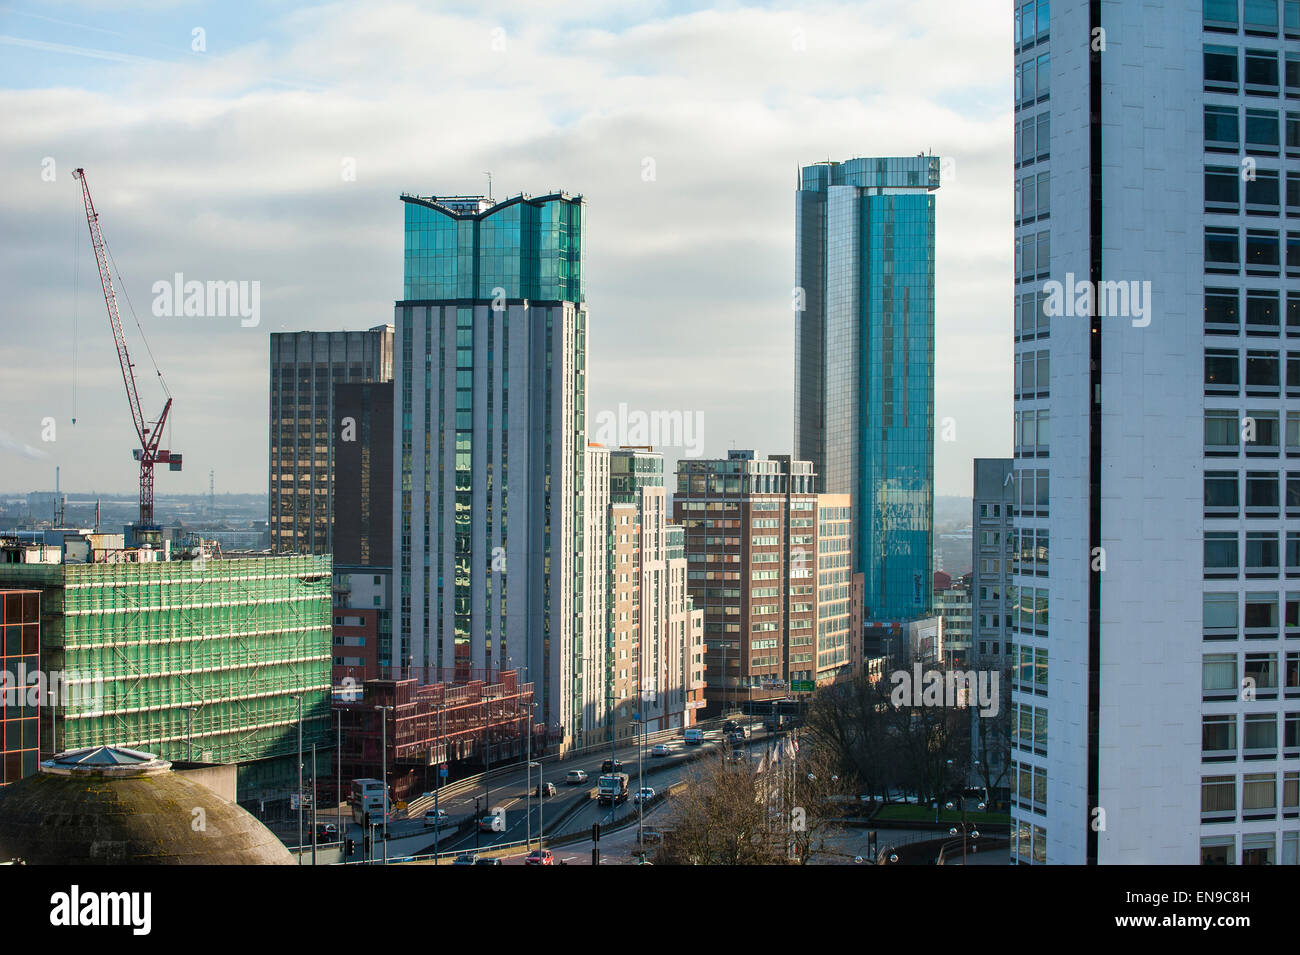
493	861
540	857
644	794
436	818
544	790
575	777
611	766
660	749
466	858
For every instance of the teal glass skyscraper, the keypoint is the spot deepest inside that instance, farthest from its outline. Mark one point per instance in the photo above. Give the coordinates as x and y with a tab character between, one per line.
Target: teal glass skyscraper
864	363
490	401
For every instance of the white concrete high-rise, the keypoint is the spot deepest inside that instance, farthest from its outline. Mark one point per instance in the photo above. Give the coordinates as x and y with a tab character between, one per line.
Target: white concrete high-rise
1155	299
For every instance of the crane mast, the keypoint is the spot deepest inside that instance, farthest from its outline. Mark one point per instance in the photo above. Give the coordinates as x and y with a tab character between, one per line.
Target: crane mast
148	453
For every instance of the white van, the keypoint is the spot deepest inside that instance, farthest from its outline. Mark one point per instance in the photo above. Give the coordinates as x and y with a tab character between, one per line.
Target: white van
694	736
494	820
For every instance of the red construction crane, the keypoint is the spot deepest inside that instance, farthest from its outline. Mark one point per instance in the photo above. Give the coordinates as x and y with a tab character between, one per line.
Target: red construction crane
148	454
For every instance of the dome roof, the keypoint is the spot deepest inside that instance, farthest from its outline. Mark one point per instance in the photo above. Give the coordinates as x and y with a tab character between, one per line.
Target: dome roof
107	805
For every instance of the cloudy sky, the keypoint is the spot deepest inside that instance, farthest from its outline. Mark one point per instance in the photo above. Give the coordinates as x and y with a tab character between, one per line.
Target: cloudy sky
218	138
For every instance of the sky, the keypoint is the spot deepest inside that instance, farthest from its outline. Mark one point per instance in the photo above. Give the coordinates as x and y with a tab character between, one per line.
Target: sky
269	143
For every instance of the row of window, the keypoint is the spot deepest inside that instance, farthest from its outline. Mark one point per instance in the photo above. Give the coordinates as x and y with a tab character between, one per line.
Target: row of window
1222	617
1223	493
1257	848
1033	80
1223	73
1263	190
1254	16
1259	740
1033	197
1263	251
1223	131
1259	797
1227	433
1031	21
1032	433
1257	679
1033	139
1262	372
1263	312
1033	373
1222	554
1033	255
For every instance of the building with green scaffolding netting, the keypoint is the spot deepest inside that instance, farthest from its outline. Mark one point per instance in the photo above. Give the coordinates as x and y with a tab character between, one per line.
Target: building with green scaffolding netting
195	660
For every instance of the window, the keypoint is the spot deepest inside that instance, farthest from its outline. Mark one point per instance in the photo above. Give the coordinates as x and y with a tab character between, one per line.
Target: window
1262	194
1262	72
1259	797
1222	373
1263	373
1221	494
1260	433
1263	255
1221	189
1262	312
1218	737
1222	249
1261	494
1221	129
1291	70
1261	736
1220	68
1221	432
1261	554
1218	850
1219	676
1220	13
1293	192
1221	307
1218	798
1261	130
1293	134
1221	558
1045	76
1293	254
1257	848
1260	675
1219	615
1260	16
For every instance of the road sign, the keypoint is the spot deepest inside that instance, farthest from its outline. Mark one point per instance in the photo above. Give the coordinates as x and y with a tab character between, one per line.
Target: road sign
442	771
802	686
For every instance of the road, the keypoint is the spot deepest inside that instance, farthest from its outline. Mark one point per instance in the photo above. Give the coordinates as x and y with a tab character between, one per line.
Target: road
509	791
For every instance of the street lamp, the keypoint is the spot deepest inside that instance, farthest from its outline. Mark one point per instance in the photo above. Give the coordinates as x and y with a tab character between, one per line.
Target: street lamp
298	697
640	787
383	756
541	805
974	833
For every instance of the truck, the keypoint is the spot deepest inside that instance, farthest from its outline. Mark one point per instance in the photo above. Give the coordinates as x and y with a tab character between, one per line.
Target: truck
694	736
611	789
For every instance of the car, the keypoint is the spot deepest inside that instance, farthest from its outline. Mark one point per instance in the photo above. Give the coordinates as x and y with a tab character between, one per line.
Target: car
492	861
652	836
544	790
736	739
644	794
660	749
540	857
327	832
435	817
730	726
575	777
494	820
611	766
466	858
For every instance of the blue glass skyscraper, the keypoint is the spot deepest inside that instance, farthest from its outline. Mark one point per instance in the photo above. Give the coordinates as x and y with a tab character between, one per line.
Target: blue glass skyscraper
864	363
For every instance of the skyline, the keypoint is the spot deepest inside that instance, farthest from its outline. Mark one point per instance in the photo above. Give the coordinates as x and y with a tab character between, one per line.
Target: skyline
691	269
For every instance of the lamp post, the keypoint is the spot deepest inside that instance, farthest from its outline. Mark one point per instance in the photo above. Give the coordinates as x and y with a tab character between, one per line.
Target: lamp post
338	793
383	756
314	828
529	775
640	786
298	697
541	806
974	833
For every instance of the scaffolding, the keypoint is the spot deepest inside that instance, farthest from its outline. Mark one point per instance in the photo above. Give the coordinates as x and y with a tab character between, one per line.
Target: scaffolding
201	660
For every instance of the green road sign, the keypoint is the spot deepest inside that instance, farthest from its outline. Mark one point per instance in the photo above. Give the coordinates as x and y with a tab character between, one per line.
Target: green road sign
802	686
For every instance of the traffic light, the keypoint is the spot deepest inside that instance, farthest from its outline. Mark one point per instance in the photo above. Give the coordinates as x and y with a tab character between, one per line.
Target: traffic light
595	832
350	846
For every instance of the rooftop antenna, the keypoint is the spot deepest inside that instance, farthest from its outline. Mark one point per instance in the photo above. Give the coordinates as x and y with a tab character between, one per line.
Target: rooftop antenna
489	175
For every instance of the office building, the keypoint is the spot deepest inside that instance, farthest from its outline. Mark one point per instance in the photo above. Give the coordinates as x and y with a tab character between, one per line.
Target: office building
864	363
183	653
1153	272
994	551
488	466
953	604
20	709
768	564
363	625
363	475
305	367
